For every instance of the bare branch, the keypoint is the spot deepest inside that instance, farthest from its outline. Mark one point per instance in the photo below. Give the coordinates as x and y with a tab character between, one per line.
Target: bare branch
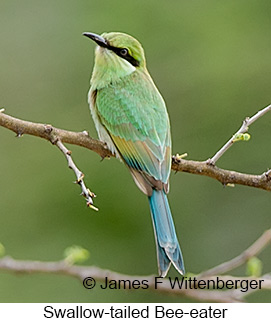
244	128
53	134
165	286
98	274
82	272
224	176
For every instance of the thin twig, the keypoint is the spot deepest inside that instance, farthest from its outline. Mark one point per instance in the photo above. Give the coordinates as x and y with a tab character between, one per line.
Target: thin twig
244	128
252	251
79	175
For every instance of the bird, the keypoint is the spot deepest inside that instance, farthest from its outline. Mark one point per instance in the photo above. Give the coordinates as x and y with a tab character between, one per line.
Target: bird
131	117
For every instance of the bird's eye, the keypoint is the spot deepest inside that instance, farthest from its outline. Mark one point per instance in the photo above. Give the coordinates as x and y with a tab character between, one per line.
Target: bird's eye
123	51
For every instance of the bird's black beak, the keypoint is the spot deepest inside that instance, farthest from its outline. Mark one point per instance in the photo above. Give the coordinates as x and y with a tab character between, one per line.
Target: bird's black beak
97	38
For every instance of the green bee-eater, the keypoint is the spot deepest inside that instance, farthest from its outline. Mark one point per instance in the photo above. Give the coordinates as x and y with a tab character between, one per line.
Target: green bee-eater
131	118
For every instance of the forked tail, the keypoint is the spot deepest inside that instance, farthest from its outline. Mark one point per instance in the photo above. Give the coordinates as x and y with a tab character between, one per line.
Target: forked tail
168	249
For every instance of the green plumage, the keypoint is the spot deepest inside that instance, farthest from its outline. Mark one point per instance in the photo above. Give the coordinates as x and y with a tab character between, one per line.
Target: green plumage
132	109
130	116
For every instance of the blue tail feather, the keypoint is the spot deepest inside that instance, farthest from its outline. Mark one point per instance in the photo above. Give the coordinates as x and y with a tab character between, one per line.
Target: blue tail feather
168	249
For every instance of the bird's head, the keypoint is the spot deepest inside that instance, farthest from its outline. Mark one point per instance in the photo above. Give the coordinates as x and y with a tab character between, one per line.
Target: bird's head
116	55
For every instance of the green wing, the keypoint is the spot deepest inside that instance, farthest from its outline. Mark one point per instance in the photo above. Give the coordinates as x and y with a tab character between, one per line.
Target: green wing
134	114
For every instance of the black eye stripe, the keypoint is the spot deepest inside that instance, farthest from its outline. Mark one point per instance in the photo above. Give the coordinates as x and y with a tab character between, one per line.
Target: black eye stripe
127	56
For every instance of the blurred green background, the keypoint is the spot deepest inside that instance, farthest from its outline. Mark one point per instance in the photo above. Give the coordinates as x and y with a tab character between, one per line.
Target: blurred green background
211	62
